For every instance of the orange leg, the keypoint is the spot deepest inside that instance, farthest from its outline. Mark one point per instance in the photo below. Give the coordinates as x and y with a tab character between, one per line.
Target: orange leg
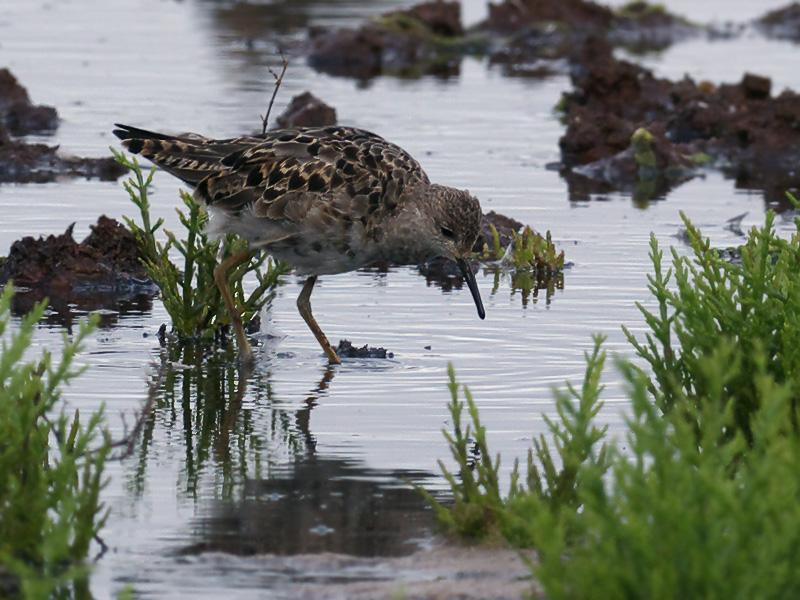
304	306
221	279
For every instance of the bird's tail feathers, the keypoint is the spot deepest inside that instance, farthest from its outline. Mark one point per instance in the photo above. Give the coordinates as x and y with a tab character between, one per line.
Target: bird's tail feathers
189	157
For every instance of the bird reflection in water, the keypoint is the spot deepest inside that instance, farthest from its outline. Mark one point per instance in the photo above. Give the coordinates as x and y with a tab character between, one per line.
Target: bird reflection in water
255	472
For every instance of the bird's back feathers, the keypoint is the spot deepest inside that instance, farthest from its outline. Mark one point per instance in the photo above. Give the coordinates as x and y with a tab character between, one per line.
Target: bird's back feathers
269	173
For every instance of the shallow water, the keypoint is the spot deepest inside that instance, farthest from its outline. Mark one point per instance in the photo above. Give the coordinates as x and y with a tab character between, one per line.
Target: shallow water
307	459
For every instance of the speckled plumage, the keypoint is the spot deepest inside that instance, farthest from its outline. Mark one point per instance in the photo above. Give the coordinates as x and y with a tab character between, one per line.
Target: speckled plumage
325	200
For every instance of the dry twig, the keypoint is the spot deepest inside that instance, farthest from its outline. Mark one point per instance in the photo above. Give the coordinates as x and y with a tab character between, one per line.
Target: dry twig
278	81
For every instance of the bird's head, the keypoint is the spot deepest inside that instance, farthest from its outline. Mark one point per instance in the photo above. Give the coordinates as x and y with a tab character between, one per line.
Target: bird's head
456	223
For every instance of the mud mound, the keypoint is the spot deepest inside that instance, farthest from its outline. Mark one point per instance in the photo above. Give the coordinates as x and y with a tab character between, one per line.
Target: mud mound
514	15
547	29
505	226
18	114
345	349
427	38
782	23
107	260
306	110
740	128
40	163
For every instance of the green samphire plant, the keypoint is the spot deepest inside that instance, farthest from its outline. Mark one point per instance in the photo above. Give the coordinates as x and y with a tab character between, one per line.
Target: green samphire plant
701	499
51	466
531	260
189	292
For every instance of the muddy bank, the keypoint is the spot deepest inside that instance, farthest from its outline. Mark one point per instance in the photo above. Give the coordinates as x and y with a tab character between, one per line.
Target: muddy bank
106	263
38	163
18	114
782	23
537	38
634	24
504	225
425	39
429	38
629	130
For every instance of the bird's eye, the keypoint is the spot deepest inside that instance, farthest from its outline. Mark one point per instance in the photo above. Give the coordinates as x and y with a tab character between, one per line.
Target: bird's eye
448	233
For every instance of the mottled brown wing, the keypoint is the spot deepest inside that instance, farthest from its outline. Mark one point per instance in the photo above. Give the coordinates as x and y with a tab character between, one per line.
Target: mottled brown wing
297	165
279	175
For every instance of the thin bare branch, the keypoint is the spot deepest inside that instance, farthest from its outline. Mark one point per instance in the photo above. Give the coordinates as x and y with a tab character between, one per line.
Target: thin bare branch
278	81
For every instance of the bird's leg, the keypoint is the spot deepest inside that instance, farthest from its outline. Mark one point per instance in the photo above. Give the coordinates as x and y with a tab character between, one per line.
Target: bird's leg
304	306
221	279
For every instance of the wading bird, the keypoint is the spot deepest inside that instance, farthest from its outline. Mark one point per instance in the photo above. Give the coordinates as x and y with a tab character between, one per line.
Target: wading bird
324	200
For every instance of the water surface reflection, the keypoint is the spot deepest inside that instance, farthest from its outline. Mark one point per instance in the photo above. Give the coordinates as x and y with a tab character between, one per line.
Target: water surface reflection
253	468
318	504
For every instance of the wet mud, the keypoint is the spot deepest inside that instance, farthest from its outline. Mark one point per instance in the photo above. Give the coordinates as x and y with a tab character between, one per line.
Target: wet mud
526	36
425	39
40	163
306	110
782	23
21	162
504	225
346	349
18	114
106	264
527	31
629	130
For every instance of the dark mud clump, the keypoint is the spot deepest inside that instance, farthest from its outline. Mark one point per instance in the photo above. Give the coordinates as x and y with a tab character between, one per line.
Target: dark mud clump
345	349
512	16
107	261
306	110
427	38
627	129
642	27
40	163
545	30
18	114
782	23
532	38
505	227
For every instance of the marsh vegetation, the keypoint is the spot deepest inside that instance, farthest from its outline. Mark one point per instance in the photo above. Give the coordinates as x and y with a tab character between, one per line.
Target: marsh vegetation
699	498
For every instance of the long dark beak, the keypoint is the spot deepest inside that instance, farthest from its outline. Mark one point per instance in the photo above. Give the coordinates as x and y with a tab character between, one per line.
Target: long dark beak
469	276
